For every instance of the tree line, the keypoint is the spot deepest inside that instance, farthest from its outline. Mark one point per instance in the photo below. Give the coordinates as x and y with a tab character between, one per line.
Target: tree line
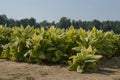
64	22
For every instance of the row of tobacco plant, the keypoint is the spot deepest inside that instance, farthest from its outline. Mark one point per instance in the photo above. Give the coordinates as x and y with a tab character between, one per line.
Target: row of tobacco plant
79	48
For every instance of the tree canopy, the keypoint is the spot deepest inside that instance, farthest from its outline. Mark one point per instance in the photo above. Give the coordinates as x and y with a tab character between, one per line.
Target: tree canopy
64	22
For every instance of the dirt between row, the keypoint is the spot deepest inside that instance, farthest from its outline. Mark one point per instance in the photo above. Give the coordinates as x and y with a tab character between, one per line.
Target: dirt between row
109	70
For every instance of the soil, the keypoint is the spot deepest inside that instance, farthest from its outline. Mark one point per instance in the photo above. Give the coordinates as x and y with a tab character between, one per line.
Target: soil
109	70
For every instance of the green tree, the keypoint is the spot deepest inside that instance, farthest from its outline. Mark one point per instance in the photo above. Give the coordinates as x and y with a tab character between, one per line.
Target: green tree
17	23
32	21
3	19
10	22
97	24
24	22
64	23
44	23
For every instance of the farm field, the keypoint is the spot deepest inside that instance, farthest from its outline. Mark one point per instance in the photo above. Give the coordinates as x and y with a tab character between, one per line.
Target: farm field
23	71
61	54
59	40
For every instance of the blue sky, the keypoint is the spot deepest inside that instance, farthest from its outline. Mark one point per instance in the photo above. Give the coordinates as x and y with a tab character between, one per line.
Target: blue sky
53	10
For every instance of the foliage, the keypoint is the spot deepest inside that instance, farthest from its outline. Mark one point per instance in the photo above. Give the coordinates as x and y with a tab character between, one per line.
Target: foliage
81	49
4	36
84	60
